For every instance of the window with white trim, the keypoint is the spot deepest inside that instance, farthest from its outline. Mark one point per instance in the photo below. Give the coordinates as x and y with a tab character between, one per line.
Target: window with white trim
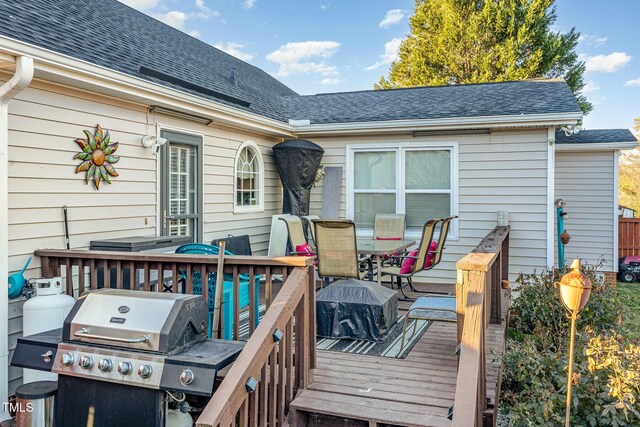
417	180
249	179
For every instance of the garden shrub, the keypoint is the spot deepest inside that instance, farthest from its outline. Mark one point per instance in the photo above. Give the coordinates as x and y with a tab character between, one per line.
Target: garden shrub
606	377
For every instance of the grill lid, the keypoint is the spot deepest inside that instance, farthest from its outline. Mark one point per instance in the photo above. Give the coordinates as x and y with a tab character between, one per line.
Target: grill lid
158	322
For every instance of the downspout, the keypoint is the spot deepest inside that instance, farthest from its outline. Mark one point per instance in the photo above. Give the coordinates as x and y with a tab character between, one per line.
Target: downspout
551	183
20	80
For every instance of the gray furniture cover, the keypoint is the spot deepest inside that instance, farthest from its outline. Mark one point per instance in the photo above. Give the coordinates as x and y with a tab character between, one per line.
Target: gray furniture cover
356	309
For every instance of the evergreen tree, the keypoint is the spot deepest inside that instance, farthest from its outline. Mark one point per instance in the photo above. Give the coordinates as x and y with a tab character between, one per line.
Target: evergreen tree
475	41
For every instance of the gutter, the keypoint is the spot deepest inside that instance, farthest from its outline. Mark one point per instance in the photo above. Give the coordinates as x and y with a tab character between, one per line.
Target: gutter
20	80
452	123
597	146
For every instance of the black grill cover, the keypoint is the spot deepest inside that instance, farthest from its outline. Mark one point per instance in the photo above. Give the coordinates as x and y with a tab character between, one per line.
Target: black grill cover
297	161
355	309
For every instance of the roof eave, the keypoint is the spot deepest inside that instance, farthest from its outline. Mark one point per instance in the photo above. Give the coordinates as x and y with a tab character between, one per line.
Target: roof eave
413	125
67	70
596	146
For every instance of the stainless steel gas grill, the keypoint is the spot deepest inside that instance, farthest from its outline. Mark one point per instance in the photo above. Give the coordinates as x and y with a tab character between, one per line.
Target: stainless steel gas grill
134	357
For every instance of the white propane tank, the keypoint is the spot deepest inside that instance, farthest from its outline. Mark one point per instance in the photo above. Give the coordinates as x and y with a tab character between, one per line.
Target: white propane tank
44	312
175	418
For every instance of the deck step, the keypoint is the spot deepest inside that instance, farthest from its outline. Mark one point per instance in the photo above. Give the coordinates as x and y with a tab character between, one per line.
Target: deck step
368	410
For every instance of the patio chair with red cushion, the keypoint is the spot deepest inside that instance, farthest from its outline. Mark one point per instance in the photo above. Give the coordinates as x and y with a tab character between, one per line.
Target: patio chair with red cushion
425	257
298	244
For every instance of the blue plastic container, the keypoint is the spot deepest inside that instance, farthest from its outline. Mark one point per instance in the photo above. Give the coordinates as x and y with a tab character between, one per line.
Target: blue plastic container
227	294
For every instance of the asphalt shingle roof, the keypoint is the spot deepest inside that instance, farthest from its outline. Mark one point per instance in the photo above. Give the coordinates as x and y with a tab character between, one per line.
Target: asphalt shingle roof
596	136
113	35
435	102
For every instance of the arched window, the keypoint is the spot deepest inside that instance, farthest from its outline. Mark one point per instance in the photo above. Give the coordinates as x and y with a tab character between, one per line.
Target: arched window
249	179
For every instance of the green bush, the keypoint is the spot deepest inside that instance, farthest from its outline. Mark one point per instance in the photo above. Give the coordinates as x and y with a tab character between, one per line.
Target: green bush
606	367
605	389
538	309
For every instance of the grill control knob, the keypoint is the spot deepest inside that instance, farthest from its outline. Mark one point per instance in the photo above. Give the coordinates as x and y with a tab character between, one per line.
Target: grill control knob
124	368
104	365
145	371
86	362
187	377
67	359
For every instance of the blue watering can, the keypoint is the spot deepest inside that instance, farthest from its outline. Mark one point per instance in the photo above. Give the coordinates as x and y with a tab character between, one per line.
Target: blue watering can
17	281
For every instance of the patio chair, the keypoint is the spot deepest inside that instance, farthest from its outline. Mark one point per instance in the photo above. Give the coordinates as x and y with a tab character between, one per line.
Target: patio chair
227	295
389	226
307	221
337	249
298	244
426	257
429	307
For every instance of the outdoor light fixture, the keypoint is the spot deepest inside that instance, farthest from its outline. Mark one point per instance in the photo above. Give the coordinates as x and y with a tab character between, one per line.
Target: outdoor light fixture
571	129
575	288
153	143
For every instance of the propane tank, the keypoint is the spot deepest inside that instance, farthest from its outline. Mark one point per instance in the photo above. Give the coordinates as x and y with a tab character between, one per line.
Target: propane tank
44	312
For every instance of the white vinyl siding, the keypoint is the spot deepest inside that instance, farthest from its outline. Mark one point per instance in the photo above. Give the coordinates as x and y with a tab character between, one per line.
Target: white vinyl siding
505	170
585	180
45	119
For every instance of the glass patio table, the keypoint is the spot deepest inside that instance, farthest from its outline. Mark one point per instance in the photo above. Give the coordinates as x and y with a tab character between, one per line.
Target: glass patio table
381	248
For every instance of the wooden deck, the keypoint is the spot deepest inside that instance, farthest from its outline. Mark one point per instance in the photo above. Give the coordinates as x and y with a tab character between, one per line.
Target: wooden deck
352	389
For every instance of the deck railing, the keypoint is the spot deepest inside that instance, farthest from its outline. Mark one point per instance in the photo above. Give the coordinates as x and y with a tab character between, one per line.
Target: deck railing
274	365
278	358
167	272
480	277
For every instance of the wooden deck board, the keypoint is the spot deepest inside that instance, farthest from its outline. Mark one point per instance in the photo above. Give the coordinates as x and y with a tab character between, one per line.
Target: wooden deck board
415	391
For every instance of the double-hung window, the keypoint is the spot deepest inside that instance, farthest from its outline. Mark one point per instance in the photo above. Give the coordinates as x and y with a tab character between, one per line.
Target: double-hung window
419	181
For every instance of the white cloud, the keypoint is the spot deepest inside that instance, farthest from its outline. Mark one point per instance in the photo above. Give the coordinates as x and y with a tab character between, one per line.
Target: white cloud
141	4
605	63
330	81
295	51
194	33
592	40
321	68
249	4
234	49
204	11
174	18
324	6
390	54
392	18
633	82
590	87
290	56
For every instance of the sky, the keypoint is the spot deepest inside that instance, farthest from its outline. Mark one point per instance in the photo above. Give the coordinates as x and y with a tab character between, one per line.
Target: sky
324	46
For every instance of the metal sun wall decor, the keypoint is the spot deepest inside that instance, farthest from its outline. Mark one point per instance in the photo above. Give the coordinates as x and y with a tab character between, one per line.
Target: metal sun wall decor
97	156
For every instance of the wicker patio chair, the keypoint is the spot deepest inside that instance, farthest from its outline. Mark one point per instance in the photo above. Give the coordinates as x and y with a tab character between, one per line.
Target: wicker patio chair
426	257
337	249
389	226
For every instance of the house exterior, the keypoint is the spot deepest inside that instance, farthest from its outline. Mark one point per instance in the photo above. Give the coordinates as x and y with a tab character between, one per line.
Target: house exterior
468	150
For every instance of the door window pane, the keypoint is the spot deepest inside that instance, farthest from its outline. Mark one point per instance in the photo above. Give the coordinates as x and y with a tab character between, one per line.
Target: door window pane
428	170
366	206
375	170
182	188
422	207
